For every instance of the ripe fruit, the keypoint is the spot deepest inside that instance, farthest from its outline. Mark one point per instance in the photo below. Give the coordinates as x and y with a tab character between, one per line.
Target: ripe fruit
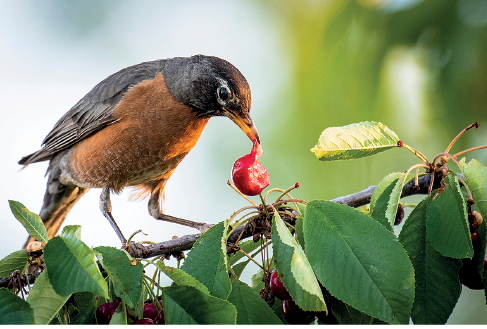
105	312
469	273
143	321
295	315
249	175
470	277
150	313
277	287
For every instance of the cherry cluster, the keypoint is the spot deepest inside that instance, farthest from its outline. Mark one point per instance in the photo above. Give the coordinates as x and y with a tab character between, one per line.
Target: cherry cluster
104	314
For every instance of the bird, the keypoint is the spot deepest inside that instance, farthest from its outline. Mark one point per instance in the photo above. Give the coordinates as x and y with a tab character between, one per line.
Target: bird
133	129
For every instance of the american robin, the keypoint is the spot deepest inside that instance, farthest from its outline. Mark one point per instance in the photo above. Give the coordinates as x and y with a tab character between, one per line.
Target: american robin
133	129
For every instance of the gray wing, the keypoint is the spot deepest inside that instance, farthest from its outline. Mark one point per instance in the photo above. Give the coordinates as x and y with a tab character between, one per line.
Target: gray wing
94	111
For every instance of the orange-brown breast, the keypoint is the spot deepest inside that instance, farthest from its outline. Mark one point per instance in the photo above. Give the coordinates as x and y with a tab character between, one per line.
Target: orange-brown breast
151	136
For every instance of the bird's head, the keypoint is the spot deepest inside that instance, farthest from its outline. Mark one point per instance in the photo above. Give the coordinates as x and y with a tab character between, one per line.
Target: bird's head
211	86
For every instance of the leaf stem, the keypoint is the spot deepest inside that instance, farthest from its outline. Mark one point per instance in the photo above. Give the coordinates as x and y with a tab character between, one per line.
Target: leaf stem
417	153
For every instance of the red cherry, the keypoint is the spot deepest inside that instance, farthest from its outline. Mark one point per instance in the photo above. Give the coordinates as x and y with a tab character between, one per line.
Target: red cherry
474	237
143	321
249	175
277	287
295	315
105	312
468	274
151	313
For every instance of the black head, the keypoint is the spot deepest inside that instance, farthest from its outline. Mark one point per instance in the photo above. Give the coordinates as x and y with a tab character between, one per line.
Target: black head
211	86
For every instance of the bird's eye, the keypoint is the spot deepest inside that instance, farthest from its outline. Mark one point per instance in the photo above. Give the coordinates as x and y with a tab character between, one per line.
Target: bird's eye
223	93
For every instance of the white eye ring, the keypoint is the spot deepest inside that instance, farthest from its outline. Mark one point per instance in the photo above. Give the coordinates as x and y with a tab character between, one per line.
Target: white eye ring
224	93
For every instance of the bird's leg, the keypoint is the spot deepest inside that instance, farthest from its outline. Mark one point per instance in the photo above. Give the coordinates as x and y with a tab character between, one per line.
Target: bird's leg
106	209
156	212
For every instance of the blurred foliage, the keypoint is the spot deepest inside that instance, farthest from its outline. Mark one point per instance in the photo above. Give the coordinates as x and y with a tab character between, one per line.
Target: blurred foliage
417	66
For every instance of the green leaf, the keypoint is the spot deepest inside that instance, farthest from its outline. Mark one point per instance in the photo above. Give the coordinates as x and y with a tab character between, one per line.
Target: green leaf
182	278
380	199
346	314
206	262
359	261
86	305
251	308
385	199
447	222
32	222
256	280
12	262
120	315
44	300
298	226
294	269
71	265
14	310
126	278
354	141
476	176
188	305
238	268
393	203
437	284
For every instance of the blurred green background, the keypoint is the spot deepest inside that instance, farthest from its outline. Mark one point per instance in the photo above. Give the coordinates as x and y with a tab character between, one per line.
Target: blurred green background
419	67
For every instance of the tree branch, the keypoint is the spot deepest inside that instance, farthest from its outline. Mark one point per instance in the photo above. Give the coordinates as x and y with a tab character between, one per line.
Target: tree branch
177	245
353	200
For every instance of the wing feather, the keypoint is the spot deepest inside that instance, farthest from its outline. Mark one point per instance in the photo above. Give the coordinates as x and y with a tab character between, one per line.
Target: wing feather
94	111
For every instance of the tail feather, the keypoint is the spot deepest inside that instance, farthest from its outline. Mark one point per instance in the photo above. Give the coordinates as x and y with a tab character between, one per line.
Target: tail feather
58	200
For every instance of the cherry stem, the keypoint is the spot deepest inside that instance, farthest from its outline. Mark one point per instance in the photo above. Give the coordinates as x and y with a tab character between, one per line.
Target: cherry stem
466	187
444	154
267	255
241	221
417	153
469	150
251	258
290	200
286	192
133	234
244	196
418	166
475	124
264	205
272	190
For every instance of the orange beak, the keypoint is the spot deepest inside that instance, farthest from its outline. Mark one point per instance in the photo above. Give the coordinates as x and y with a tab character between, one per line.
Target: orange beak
246	124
